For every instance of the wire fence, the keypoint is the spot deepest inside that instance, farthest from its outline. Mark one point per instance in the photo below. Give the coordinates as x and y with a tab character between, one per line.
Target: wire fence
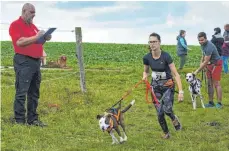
39	27
5	26
60	77
3	70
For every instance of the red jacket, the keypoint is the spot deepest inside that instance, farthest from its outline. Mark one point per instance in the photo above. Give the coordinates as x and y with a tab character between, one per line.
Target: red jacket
19	29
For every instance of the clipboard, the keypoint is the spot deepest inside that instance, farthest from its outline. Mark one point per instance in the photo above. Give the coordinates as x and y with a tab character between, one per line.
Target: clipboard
42	40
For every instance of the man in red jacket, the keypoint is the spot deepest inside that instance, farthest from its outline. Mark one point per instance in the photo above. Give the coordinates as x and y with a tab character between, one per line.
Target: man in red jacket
24	35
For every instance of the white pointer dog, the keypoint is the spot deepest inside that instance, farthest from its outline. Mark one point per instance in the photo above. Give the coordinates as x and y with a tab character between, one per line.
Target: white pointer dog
111	120
194	89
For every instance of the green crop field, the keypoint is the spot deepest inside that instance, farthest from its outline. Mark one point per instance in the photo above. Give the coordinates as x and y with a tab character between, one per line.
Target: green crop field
110	70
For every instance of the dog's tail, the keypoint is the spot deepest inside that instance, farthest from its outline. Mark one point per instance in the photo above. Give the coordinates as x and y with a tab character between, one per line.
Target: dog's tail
128	107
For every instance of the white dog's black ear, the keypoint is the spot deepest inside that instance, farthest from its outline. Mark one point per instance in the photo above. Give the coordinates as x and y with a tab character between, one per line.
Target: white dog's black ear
193	75
98	117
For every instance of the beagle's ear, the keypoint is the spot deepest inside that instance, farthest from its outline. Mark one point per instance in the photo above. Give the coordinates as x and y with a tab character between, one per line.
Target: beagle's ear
98	117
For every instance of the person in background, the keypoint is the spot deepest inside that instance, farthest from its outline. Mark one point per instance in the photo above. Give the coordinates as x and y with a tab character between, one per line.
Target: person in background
225	54
163	71
213	64
182	49
24	35
226	32
217	40
225	48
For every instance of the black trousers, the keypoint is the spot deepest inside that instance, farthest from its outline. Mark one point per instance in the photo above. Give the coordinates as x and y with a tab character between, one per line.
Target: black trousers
165	107
27	84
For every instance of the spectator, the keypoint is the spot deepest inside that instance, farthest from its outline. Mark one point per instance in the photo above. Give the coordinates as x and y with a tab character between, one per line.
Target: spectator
212	61
225	54
226	32
217	40
182	48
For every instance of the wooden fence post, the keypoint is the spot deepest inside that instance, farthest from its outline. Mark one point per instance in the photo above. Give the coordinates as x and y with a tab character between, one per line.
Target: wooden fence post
79	56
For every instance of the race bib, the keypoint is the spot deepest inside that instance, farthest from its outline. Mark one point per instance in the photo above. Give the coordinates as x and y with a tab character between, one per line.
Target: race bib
158	75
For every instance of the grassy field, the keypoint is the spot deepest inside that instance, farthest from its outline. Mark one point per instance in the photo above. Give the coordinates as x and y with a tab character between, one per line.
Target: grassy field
111	69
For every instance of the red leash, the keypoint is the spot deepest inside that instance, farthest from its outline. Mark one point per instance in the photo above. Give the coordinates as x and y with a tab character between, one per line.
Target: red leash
149	88
127	93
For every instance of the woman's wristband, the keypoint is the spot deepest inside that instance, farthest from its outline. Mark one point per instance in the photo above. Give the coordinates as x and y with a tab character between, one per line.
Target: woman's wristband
181	92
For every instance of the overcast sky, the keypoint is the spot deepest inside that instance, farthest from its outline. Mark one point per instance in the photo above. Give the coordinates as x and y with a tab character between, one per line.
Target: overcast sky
122	22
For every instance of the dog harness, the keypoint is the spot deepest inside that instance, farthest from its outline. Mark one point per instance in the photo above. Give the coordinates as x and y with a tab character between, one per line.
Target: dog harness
194	85
117	116
111	122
